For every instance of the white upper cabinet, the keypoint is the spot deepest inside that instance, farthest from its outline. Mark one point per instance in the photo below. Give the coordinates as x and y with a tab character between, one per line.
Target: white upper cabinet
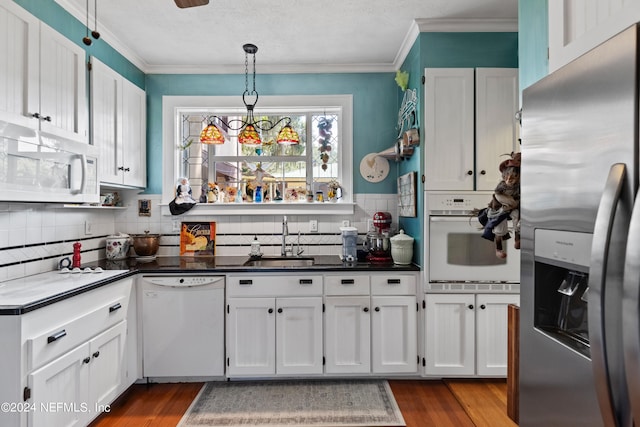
449	128
469	126
496	125
118	127
19	45
42	76
577	26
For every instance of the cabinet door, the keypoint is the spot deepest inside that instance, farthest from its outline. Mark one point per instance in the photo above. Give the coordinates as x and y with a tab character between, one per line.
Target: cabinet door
251	336
107	367
299	335
59	391
106	119
394	339
134	125
449	128
19	46
496	125
491	333
347	335
63	100
450	334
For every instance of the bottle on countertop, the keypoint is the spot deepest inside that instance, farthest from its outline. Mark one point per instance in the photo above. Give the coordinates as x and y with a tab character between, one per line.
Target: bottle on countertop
76	255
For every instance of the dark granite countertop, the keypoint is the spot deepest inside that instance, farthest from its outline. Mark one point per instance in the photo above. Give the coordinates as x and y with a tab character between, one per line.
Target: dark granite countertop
235	264
43	294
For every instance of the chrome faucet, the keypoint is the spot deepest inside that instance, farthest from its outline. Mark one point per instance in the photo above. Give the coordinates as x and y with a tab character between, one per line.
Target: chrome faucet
285	233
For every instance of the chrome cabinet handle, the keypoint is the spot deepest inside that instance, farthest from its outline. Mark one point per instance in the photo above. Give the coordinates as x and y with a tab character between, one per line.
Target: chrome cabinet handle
597	279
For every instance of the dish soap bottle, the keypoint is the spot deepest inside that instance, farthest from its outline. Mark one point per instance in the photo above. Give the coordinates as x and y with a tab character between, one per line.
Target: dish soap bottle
255	247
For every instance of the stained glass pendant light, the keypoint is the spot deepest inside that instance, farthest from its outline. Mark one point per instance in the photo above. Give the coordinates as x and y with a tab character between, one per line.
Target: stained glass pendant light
211	134
250	128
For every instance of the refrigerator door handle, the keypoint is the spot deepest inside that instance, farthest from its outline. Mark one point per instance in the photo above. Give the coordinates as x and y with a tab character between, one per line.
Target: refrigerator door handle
631	312
597	275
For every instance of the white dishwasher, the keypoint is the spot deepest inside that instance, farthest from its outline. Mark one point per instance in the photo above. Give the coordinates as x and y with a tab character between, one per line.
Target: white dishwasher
182	326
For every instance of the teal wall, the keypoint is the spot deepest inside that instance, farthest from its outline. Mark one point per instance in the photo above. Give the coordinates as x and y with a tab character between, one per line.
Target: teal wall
448	50
62	21
533	42
374	110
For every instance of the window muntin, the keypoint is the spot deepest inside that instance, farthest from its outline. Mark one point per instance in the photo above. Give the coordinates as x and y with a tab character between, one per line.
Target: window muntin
286	173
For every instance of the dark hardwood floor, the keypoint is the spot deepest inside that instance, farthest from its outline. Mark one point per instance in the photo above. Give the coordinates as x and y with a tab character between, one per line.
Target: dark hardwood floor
424	403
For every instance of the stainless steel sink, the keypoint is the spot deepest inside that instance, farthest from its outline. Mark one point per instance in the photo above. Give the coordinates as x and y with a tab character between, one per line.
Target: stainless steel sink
279	262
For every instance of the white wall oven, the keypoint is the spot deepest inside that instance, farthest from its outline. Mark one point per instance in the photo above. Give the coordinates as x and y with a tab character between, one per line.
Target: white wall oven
457	252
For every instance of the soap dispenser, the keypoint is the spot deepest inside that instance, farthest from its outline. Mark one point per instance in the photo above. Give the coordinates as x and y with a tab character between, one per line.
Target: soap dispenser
255	247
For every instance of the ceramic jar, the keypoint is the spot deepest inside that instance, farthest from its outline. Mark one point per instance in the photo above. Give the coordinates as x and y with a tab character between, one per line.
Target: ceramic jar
117	246
402	248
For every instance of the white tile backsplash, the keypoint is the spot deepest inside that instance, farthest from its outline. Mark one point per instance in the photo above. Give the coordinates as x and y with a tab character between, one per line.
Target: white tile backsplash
33	237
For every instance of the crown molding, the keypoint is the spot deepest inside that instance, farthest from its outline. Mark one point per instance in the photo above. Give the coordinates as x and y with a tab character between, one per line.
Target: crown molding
417	26
470	25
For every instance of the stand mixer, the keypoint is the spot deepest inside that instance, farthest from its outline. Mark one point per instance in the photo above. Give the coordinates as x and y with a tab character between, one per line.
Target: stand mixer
377	241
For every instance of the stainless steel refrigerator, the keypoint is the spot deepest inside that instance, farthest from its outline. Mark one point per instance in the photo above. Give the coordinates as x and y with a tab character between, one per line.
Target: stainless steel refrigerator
580	324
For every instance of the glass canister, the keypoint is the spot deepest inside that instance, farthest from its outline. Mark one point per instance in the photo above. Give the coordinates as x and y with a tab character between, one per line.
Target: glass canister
349	243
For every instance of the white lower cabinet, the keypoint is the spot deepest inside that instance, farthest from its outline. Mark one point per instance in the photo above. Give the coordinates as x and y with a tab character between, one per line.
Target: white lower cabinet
348	334
77	386
64	363
371	324
274	335
466	334
394	345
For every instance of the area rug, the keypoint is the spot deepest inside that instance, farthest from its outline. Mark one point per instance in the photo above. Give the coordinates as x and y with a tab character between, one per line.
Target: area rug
294	403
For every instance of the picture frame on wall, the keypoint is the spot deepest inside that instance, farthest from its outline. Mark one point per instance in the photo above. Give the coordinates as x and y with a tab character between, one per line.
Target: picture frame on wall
407	197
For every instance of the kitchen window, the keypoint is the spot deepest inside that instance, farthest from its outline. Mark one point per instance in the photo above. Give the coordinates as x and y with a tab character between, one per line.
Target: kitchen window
292	178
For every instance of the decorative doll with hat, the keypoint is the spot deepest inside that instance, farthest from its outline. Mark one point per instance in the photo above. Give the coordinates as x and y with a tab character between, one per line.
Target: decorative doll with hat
504	205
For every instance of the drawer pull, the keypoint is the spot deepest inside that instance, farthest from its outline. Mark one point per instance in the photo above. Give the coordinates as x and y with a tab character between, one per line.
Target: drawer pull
115	307
347	281
306	281
96	354
86	360
246	282
393	281
56	336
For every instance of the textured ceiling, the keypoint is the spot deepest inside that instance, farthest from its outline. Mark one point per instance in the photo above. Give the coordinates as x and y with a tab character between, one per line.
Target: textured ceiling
292	36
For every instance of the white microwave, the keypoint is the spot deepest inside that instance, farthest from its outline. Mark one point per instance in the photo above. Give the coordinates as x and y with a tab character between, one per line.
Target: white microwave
38	168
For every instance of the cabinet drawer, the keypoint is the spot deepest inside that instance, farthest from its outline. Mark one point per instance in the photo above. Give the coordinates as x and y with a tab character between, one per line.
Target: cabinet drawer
393	284
72	332
346	285
274	285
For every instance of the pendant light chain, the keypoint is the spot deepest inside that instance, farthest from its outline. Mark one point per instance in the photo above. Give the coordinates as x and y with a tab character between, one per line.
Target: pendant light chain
254	73
246	73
